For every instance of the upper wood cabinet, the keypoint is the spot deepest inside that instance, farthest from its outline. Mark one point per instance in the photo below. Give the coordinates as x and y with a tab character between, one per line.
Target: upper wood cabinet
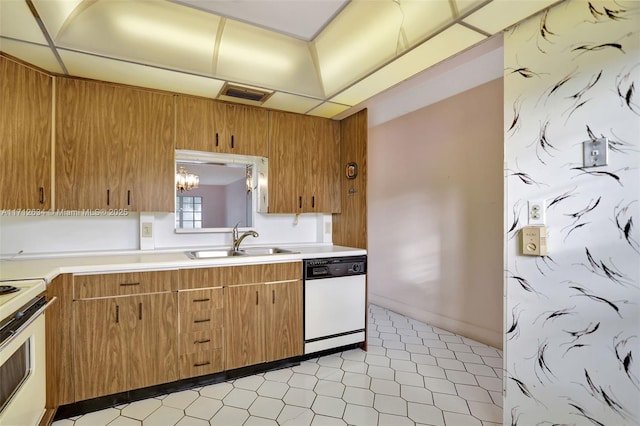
214	126
25	137
114	147
304	163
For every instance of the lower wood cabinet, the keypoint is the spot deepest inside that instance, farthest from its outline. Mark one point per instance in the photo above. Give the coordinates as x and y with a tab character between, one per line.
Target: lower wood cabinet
124	343
263	322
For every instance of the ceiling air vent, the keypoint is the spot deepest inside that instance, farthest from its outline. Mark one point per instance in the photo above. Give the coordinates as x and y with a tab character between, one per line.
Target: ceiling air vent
243	93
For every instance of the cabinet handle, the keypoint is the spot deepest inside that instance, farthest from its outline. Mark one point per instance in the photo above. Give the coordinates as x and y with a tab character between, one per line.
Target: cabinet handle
201	341
117	314
129	197
300	201
202	320
201	364
128	284
232	142
313	201
273	297
256	297
108	196
139	310
41	195
216	139
201	300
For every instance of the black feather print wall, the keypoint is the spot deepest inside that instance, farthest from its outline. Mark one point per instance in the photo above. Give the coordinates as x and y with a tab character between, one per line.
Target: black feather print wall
572	318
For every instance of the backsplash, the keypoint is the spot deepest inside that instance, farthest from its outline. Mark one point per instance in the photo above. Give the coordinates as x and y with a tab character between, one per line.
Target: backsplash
572	327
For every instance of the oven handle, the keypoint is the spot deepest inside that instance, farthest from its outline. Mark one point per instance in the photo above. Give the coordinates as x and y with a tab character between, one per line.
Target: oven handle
30	321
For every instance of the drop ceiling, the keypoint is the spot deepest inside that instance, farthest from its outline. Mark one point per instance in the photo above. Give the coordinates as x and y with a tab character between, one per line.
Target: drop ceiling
318	57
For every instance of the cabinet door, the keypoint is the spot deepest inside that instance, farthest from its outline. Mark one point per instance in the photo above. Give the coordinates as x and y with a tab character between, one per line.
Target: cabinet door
101	348
114	147
25	137
200	125
246	130
287	166
153	343
83	154
324	156
283	320
244	326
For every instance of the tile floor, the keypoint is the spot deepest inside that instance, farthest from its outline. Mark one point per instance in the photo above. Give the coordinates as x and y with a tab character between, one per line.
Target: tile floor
413	374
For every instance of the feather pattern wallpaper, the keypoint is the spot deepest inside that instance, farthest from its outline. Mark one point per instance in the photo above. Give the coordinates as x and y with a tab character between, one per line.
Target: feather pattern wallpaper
572	318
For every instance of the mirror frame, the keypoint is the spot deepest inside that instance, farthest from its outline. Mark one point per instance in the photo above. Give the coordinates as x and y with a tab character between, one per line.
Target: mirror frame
259	194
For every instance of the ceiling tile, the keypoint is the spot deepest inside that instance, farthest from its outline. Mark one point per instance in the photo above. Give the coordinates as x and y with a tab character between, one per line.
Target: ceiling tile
291	103
501	14
300	19
150	32
54	13
99	68
328	110
35	54
17	21
444	45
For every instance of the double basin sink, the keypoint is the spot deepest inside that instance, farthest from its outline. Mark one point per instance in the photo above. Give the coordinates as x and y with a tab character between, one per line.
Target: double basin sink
249	251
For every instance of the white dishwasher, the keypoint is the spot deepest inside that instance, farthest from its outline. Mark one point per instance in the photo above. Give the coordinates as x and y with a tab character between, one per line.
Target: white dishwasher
334	302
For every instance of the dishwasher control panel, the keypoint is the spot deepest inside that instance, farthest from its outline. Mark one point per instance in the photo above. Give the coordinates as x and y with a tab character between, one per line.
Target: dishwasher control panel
332	267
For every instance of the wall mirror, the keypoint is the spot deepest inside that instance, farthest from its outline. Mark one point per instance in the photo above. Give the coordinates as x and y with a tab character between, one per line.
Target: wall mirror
231	189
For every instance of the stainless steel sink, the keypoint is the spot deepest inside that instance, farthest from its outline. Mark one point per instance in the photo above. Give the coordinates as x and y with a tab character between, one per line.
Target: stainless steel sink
249	251
210	254
262	251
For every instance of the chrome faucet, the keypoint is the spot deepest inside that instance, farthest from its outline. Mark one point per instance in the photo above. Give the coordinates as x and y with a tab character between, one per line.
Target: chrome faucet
238	239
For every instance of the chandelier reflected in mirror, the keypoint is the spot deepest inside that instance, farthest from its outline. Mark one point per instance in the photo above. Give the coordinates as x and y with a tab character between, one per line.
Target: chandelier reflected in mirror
186	181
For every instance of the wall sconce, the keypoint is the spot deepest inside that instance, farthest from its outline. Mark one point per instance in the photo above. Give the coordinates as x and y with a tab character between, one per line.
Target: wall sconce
186	181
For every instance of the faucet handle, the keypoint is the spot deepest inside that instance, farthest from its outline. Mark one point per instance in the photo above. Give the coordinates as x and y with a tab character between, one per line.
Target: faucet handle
234	232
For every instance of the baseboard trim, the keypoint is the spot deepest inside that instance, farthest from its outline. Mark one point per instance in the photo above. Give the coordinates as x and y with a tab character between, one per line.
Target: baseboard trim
480	334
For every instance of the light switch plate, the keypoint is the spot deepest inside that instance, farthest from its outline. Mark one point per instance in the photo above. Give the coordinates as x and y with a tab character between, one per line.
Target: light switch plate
595	152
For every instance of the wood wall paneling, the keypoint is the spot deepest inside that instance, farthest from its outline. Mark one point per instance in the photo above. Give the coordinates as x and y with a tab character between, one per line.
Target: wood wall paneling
350	226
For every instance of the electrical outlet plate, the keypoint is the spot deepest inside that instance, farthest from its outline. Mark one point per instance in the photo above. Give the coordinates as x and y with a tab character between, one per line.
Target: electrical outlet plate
595	152
147	230
537	212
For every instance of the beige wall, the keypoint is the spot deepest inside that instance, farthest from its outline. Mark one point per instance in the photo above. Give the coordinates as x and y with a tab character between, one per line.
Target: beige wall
436	214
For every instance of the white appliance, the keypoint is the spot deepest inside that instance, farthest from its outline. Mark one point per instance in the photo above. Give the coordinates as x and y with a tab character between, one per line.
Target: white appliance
334	302
22	352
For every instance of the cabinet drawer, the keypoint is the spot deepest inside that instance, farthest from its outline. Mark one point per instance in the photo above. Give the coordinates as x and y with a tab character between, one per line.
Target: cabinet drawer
200	320
123	284
199	300
201	341
201	363
199	278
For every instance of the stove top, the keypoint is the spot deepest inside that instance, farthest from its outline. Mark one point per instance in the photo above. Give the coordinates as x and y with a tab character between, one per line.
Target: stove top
19	294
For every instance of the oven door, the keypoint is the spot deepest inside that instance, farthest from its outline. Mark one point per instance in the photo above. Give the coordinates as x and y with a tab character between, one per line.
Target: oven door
22	374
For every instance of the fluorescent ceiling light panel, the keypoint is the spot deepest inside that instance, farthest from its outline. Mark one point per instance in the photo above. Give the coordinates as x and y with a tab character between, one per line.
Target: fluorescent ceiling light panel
501	14
422	19
328	110
465	6
16	21
291	103
360	39
263	58
155	33
444	45
35	54
54	13
99	68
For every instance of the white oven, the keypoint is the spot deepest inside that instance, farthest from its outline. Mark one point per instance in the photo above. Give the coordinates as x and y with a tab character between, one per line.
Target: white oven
22	353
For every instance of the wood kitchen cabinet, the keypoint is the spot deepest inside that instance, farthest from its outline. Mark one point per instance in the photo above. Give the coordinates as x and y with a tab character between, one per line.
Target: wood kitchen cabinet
130	339
25	136
214	126
304	163
263	322
114	147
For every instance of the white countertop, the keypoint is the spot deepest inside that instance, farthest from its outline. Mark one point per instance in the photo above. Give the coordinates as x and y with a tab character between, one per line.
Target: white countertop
50	267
